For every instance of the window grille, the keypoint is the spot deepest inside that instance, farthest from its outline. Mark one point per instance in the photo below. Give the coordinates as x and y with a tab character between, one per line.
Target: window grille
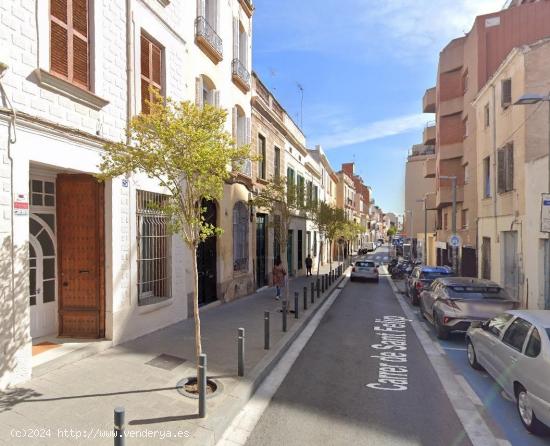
240	237
153	239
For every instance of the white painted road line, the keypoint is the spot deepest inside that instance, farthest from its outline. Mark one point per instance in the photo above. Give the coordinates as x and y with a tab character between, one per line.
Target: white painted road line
455	348
244	423
474	424
468	390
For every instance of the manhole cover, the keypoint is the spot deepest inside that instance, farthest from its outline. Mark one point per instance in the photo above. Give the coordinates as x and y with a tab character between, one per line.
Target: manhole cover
188	387
165	362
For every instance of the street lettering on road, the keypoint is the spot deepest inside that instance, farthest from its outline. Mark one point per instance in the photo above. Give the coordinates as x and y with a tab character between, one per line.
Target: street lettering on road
391	352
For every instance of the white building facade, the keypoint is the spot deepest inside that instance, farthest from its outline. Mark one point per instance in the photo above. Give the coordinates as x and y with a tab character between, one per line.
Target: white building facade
85	259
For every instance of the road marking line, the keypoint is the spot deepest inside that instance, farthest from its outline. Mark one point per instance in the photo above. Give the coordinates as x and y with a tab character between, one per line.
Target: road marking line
469	391
455	348
244	423
475	426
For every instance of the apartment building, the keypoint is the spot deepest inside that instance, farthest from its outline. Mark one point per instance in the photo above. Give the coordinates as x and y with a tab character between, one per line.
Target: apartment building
327	192
465	66
419	194
300	173
512	172
269	142
361	206
83	259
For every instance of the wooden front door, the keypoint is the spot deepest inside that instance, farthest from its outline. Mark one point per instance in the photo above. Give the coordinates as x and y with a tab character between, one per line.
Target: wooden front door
81	241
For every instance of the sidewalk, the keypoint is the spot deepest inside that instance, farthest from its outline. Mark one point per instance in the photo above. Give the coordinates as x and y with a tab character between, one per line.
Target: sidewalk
82	396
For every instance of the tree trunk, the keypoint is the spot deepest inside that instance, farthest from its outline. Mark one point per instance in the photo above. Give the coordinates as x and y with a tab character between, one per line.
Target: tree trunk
198	340
319	257
330	249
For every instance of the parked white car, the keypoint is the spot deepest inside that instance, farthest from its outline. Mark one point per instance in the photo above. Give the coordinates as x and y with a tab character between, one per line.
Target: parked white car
514	348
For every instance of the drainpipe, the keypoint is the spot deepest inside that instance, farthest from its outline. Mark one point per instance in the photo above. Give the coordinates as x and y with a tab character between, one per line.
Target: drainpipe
11	140
495	173
129	64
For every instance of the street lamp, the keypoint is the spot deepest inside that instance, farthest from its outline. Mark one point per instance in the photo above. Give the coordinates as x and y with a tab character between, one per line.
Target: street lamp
534	98
409	211
453	248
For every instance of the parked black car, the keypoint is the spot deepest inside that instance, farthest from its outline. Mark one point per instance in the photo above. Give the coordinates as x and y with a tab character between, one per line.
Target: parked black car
422	277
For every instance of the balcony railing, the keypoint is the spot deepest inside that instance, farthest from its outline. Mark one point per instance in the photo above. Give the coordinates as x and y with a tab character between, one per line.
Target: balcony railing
208	39
240	74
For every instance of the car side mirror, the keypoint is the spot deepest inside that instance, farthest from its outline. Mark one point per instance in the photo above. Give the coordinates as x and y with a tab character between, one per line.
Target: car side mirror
477	324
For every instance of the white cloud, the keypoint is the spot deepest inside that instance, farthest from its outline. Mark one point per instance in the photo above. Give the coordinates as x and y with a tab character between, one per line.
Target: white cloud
371	131
402	28
415	26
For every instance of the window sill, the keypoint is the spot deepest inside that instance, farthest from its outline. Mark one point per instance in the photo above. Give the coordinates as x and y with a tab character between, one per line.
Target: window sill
53	83
240	273
153	304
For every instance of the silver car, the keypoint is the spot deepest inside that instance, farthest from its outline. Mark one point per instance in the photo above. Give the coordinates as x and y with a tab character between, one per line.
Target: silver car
514	348
364	269
453	303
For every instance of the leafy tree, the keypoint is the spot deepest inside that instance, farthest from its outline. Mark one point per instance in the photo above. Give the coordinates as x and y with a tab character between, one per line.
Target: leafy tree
280	198
186	149
335	227
391	231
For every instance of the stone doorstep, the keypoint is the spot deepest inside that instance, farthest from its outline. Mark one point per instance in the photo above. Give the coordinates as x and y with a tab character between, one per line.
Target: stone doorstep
214	425
68	352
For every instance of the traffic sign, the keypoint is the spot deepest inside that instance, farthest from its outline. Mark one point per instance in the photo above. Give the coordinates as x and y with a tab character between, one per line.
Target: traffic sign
455	241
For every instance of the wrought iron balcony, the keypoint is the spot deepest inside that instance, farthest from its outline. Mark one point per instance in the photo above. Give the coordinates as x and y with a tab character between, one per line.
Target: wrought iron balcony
240	74
207	38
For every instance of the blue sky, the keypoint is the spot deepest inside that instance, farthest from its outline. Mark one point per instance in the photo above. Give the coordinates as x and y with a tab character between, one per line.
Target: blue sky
364	66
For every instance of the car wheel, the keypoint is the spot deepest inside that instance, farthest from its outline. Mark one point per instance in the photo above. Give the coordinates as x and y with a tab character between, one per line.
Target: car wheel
526	414
414	298
351	279
472	357
440	331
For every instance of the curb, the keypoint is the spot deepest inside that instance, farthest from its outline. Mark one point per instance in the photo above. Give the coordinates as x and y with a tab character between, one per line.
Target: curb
212	428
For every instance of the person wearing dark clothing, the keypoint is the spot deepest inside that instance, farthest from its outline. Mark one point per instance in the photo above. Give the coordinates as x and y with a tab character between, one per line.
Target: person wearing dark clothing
309	264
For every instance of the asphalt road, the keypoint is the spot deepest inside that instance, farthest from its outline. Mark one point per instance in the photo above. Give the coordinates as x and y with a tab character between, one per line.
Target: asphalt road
325	398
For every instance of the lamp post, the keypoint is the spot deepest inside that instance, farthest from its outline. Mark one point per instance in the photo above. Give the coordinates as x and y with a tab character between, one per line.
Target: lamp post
453	248
410	212
425	255
533	98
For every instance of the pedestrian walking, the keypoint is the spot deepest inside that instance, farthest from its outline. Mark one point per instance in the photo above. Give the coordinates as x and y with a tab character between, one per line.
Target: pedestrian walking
309	264
279	276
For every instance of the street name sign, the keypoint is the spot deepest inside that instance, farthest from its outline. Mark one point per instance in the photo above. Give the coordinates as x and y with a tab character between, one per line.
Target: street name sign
545	213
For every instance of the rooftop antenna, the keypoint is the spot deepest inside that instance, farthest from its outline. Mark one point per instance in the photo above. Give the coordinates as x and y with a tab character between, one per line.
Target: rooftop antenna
272	73
301	88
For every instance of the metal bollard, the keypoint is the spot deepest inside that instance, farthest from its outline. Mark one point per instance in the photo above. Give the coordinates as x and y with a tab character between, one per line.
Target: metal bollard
305	298
323	284
312	292
284	314
266	330
240	352
318	288
296	307
119	426
326	282
201	381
